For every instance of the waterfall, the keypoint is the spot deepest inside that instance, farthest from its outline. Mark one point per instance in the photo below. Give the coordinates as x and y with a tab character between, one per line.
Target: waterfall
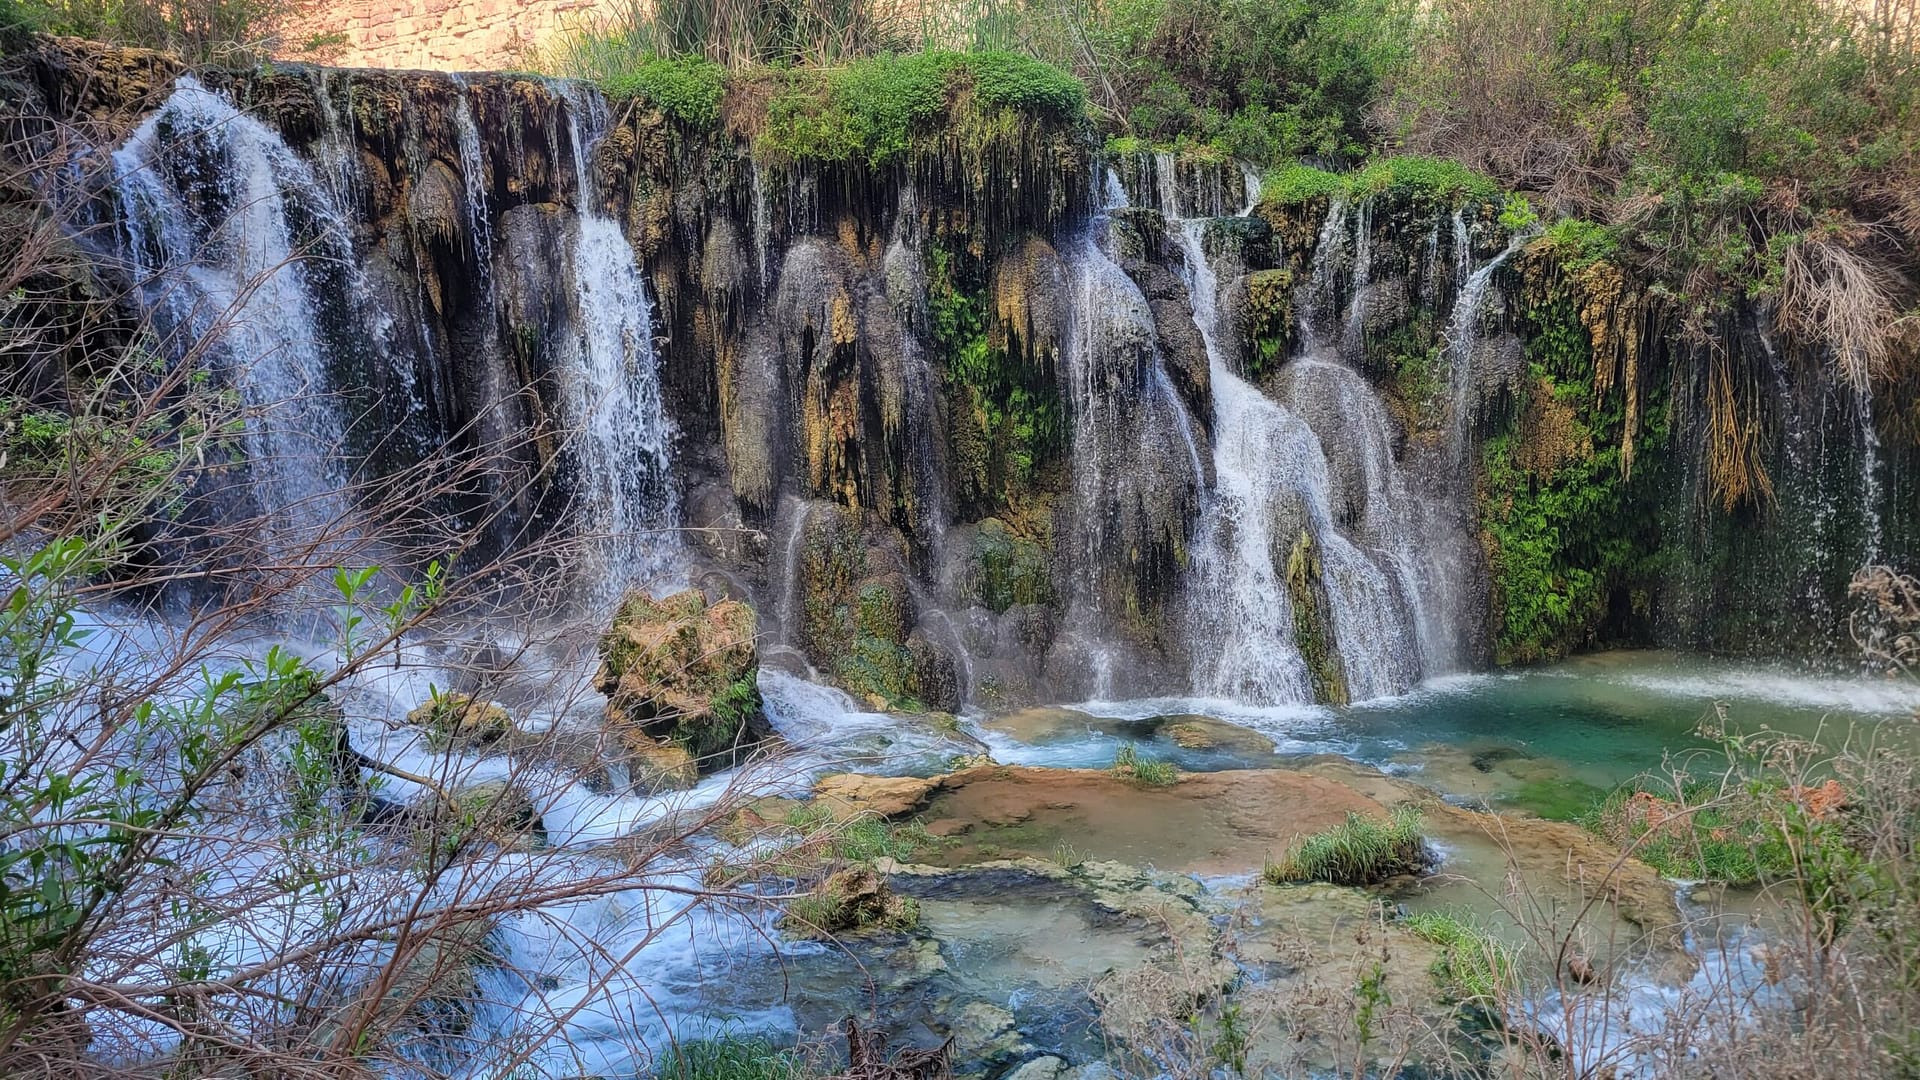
1868	449
473	177
1274	482
1463	338
619	434
226	230
1136	456
906	282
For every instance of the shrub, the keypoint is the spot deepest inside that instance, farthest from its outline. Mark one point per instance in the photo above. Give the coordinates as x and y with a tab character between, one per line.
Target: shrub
1359	851
873	109
1296	184
687	88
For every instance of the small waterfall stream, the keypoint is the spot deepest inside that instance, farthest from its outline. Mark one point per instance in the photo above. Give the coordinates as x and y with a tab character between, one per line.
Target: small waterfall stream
1134	447
611	384
225	230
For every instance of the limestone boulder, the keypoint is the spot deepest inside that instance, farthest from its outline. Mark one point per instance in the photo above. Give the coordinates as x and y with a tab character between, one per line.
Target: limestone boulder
680	675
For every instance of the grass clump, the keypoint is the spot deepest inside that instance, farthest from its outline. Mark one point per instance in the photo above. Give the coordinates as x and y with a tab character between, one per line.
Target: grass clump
731	1057
1358	851
686	88
1473	967
1128	764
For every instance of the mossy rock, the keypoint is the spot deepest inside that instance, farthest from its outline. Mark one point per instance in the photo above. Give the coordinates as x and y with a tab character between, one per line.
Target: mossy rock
683	672
1269	321
461	722
662	766
1312	629
485	811
853	900
1010	570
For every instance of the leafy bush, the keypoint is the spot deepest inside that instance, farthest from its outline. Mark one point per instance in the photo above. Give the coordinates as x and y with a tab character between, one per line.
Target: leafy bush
1004	80
1292	185
1358	851
872	109
687	88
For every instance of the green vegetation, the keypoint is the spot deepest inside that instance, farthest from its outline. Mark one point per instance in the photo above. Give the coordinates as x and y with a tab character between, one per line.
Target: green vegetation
1129	765
1010	425
1740	147
1262	80
731	1057
201	31
1569	521
685	88
1358	851
1473	967
1434	181
874	109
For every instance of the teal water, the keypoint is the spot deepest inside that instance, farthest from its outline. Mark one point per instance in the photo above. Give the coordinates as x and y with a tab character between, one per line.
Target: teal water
1578	727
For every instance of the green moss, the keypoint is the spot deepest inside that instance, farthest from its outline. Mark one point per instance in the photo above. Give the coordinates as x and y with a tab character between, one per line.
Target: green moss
1012	570
686	88
874	110
1359	851
1312	632
1292	185
1010	424
1570	536
1270	322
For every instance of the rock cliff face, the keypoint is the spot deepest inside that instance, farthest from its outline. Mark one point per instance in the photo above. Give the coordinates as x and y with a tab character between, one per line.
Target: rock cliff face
996	420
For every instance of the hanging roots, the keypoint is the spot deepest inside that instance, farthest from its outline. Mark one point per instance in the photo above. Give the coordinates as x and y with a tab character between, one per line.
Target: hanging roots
1736	466
1831	295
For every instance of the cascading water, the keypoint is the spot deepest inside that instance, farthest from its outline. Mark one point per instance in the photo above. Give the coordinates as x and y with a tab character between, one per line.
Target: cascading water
1463	339
610	384
1136	455
222	222
1273	484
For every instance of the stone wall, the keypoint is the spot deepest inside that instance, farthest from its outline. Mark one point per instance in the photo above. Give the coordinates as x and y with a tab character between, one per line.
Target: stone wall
441	35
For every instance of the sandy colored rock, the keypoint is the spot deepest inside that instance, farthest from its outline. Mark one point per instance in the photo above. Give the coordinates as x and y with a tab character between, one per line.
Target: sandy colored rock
850	795
1209	823
1206	733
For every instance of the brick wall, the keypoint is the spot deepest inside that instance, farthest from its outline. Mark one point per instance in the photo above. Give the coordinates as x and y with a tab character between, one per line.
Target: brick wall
442	35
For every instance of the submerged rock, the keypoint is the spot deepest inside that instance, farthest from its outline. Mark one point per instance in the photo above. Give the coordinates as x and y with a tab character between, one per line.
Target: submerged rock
679	675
